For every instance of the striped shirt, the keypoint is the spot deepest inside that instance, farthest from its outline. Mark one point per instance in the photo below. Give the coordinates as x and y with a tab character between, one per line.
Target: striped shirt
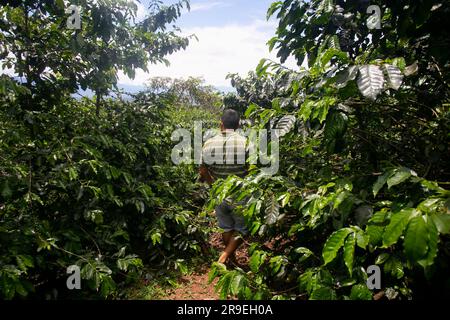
225	154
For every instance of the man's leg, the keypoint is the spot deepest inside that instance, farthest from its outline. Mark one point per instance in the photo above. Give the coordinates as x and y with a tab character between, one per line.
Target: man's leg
230	248
235	241
226	237
226	223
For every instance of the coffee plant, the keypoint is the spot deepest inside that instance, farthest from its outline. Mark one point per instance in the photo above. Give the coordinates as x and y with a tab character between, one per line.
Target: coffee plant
89	182
364	162
363	176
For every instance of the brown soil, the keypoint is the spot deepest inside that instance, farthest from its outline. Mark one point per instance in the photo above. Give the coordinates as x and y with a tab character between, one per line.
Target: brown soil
195	285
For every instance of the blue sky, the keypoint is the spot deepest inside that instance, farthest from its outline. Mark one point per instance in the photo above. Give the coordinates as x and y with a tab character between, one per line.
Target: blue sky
232	37
219	13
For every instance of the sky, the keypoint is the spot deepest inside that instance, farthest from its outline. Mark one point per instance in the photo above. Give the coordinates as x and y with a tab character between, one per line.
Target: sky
232	37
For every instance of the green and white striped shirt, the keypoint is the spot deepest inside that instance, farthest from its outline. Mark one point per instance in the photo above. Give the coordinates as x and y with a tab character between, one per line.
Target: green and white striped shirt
225	154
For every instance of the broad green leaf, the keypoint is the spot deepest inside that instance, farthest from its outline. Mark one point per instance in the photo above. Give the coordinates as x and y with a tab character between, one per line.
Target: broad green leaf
252	107
306	253
284	125
370	81
276	263
433	239
349	252
362	239
375	234
216	269
24	262
6	190
397	225
256	260
379	217
394	266
382	258
399	176
273	8
325	6
360	292
394	76
284	198
73	175
272	210
261	68
343	77
431	185
334	243
380	182
323	293
236	283
429	205
308	281
442	222
225	282
416	239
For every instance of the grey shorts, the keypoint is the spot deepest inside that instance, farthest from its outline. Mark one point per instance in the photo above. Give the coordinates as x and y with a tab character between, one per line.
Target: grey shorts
229	220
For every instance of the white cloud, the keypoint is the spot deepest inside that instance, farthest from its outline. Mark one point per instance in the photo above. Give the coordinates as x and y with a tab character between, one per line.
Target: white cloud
233	48
204	6
141	11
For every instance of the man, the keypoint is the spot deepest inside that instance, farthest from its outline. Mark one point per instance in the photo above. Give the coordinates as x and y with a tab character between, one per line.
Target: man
222	156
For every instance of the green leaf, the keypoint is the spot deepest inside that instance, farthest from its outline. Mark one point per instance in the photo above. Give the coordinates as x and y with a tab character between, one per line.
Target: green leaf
429	205
334	243
399	176
236	283
225	282
433	239
370	81
73	175
380	182
382	258
261	68
362	239
379	217
349	252
375	234
416	239
258	257
216	269
305	252
6	190
394	266
394	76
442	222
24	262
323	293
325	6
273	8
398	223
284	125
272	210
308	281
360	292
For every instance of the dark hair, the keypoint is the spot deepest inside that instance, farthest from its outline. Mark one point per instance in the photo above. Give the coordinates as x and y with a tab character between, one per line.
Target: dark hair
230	119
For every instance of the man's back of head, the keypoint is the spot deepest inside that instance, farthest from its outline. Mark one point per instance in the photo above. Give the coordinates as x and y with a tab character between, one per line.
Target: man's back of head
230	119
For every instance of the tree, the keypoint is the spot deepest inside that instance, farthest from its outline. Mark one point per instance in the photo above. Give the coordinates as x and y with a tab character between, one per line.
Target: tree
190	92
54	60
363	179
77	189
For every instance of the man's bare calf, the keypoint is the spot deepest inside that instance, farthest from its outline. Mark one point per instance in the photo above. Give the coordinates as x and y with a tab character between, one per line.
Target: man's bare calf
231	244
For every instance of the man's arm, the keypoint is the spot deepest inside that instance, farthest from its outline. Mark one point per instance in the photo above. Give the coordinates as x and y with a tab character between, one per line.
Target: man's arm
205	175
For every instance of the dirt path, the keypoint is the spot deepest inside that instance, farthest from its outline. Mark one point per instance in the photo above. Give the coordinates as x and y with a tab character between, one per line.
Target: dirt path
195	286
